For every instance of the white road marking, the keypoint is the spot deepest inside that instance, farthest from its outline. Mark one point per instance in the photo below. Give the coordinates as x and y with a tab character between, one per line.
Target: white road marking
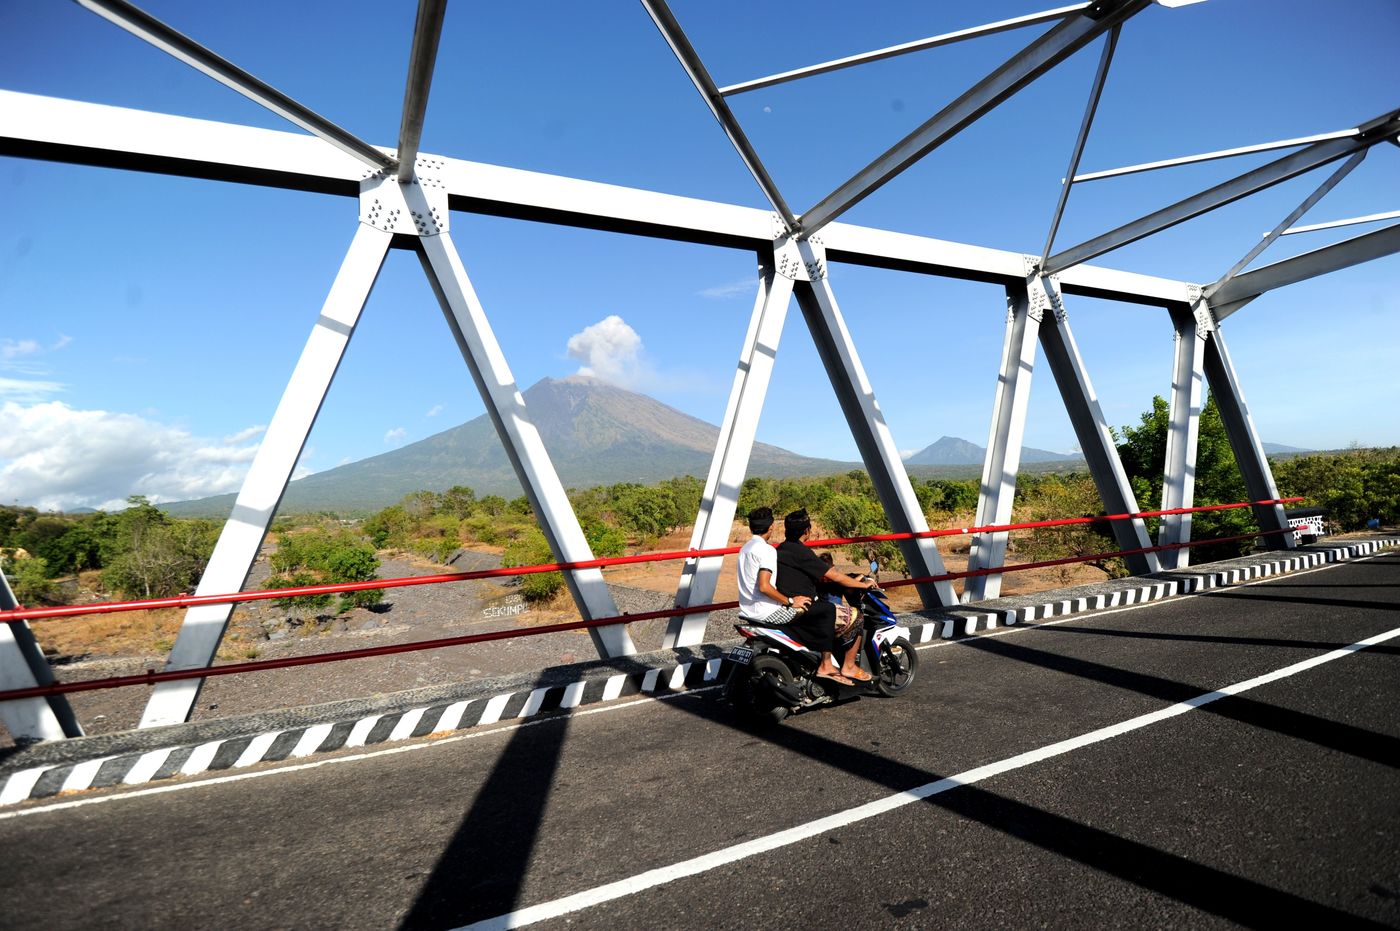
706	862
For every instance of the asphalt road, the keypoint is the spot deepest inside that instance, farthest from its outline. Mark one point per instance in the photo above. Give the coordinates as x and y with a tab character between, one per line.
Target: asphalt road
1276	806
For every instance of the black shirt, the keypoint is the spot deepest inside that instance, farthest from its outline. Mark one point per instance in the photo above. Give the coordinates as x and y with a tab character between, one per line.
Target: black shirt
799	569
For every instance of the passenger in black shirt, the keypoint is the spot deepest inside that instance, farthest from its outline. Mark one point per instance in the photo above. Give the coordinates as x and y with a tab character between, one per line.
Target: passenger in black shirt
799	572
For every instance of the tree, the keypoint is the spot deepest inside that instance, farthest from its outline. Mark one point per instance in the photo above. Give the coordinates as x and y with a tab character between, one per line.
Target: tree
148	555
459	501
1143	449
857	516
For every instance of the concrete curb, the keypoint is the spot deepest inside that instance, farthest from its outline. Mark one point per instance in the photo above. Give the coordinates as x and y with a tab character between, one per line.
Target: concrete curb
136	757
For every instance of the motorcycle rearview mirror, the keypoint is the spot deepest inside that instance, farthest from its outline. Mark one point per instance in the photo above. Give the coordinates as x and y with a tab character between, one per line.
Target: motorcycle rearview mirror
874	567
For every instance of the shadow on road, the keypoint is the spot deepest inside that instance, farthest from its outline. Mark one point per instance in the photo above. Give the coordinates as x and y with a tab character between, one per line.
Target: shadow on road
1382	649
1344	738
1232	897
483	866
1251	595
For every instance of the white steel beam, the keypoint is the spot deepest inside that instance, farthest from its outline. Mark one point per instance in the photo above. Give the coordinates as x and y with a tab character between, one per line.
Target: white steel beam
1244	440
1266	176
237	547
427	30
867	423
1331	258
1090	108
1008	432
1308	203
733	448
918	45
1212	156
1090	426
1061	41
1192	328
685	53
1353	221
22	666
55	129
149	29
518	433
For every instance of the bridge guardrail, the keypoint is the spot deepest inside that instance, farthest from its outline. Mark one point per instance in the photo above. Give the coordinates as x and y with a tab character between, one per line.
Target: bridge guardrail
151	677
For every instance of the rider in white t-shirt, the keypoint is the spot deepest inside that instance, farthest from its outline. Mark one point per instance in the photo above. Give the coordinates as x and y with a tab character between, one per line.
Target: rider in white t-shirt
758	571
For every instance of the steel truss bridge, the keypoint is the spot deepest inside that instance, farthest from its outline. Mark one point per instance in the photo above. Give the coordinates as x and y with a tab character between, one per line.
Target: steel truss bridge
406	199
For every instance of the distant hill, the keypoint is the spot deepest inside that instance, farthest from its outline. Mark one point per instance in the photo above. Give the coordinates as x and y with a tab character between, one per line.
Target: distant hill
1278	449
596	434
951	451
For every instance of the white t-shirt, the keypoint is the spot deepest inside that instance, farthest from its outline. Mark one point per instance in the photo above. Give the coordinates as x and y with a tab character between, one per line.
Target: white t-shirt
757	554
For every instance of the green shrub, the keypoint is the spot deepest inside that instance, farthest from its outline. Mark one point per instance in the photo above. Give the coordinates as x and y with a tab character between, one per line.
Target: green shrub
484	529
320	557
29	580
531	549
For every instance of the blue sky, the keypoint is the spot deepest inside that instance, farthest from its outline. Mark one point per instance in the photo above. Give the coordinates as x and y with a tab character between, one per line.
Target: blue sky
148	324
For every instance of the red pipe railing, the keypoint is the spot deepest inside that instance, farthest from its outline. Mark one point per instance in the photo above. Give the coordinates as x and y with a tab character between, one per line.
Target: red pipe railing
190	601
150	677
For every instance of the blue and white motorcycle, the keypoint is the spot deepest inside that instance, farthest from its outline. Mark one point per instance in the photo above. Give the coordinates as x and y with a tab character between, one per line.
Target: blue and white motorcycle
773	675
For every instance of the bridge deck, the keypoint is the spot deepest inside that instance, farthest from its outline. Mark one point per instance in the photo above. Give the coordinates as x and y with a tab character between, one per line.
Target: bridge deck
1274	805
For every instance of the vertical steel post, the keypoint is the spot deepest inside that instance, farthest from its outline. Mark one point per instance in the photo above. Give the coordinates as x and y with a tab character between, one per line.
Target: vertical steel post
22	666
1244	440
732	451
518	434
1095	438
866	420
1004	440
203	627
1192	328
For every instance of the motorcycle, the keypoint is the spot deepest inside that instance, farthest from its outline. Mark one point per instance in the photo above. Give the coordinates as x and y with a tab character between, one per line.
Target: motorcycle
773	675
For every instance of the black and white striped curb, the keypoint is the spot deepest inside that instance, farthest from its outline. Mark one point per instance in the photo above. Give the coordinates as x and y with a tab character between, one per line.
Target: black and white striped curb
235	752
296	742
962	622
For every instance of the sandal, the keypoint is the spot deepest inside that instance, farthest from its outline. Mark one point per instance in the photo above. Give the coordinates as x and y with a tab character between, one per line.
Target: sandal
836	677
860	675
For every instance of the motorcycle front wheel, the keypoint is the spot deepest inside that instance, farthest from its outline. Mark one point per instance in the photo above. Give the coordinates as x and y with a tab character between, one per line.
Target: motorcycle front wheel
898	666
754	699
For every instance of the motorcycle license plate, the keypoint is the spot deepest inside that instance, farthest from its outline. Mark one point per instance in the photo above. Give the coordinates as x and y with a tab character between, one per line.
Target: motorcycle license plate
741	655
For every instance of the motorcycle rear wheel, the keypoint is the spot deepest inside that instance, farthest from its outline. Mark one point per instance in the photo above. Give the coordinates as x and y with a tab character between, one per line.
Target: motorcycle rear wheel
898	666
756	702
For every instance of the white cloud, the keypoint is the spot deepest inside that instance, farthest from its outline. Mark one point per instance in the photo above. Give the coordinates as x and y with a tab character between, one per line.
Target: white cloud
243	436
56	458
63	340
27	390
13	349
434	410
744	287
395	436
610	350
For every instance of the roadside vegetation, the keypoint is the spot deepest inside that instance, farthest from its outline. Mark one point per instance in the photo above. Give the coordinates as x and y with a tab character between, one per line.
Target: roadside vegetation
142	552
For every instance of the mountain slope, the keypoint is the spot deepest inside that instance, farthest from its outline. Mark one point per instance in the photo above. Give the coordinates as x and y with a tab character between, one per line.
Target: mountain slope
595	433
951	450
